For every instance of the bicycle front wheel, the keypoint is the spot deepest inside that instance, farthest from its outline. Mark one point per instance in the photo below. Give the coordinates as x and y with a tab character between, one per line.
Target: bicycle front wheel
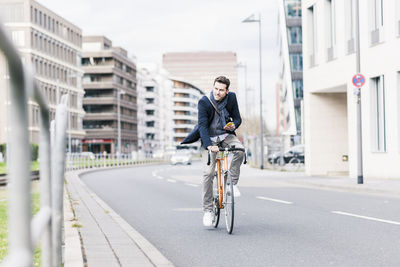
216	209
229	203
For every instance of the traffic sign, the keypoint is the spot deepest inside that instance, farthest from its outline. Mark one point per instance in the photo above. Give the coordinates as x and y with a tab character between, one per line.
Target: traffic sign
358	80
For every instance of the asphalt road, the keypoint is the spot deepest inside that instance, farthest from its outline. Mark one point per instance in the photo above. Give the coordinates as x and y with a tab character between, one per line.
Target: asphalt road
276	223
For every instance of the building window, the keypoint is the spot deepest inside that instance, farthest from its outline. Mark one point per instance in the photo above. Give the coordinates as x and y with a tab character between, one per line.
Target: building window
298	89
296	62
330	24
293	8
350	28
40	18
149	88
18	38
378	117
35	15
150	123
149	100
312	35
295	36
376	21
45	21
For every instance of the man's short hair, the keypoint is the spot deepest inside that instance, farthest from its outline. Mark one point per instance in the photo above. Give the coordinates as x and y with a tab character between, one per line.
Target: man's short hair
224	80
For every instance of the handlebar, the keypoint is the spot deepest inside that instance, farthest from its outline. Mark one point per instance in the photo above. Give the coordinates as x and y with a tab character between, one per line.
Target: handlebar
228	149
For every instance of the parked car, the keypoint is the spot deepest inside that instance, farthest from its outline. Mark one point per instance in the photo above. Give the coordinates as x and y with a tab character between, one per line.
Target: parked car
295	151
181	157
88	155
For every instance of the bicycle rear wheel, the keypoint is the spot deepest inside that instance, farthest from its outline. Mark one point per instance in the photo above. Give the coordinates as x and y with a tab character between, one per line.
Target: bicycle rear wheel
229	203
216	209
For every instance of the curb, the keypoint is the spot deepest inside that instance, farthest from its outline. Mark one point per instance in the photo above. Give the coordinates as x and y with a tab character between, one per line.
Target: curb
73	244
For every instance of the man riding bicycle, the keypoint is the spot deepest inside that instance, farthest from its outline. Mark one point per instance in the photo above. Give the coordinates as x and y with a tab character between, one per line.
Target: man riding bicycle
218	118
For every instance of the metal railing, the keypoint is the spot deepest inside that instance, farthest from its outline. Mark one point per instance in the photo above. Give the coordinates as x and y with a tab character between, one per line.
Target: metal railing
25	232
84	161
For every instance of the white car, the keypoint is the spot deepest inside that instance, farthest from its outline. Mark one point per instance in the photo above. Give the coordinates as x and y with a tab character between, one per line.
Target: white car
181	157
89	155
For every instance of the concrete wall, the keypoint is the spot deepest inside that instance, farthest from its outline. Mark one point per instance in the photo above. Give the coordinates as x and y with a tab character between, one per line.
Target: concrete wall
327	134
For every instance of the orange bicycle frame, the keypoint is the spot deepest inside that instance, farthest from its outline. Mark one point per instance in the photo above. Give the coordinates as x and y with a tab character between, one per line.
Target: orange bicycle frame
219	176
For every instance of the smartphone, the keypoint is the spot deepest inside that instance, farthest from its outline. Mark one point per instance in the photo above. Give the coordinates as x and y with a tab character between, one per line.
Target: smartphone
229	124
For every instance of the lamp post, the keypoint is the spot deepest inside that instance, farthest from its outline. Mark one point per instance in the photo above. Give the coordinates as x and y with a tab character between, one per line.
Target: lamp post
120	92
244	66
249	20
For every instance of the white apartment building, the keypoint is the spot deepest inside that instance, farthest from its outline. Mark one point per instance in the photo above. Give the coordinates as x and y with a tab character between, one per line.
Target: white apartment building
329	50
185	115
154	110
290	85
51	46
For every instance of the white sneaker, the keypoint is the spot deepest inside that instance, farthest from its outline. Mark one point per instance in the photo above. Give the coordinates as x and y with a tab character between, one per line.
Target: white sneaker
236	192
208	218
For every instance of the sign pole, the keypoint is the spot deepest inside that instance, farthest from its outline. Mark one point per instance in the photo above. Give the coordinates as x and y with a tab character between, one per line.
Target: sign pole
360	179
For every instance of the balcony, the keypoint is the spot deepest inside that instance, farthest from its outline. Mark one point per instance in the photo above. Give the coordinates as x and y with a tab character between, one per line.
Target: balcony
98	69
184	117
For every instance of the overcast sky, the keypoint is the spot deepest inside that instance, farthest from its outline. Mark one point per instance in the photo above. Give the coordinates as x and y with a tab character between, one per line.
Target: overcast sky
147	29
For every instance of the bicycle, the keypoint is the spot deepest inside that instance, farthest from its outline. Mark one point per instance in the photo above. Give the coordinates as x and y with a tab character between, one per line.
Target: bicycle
223	196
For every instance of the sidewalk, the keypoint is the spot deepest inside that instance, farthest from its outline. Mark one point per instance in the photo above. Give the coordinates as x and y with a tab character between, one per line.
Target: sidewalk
381	186
107	239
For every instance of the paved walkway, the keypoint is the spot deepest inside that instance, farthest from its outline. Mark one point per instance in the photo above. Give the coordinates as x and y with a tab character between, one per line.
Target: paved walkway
107	239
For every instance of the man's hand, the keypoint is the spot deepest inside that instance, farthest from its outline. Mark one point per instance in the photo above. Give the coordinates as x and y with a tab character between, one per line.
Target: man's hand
213	148
229	126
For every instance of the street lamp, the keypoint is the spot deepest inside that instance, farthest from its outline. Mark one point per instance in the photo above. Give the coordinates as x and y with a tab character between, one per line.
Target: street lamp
244	66
249	20
120	92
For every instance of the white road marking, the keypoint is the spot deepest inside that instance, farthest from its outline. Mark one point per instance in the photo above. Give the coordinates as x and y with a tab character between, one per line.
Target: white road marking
275	200
171	180
365	217
159	177
154	173
192	185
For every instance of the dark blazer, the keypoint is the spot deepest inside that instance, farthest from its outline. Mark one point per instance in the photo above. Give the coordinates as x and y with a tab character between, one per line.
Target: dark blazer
205	117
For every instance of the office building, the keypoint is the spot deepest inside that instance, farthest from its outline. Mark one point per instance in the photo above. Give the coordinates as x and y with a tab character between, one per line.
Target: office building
330	62
51	46
290	86
109	82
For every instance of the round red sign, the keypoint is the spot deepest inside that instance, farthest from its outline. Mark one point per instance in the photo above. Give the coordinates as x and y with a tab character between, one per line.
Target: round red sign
358	80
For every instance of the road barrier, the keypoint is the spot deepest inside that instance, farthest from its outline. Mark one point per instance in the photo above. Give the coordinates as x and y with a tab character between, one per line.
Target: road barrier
82	161
23	231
